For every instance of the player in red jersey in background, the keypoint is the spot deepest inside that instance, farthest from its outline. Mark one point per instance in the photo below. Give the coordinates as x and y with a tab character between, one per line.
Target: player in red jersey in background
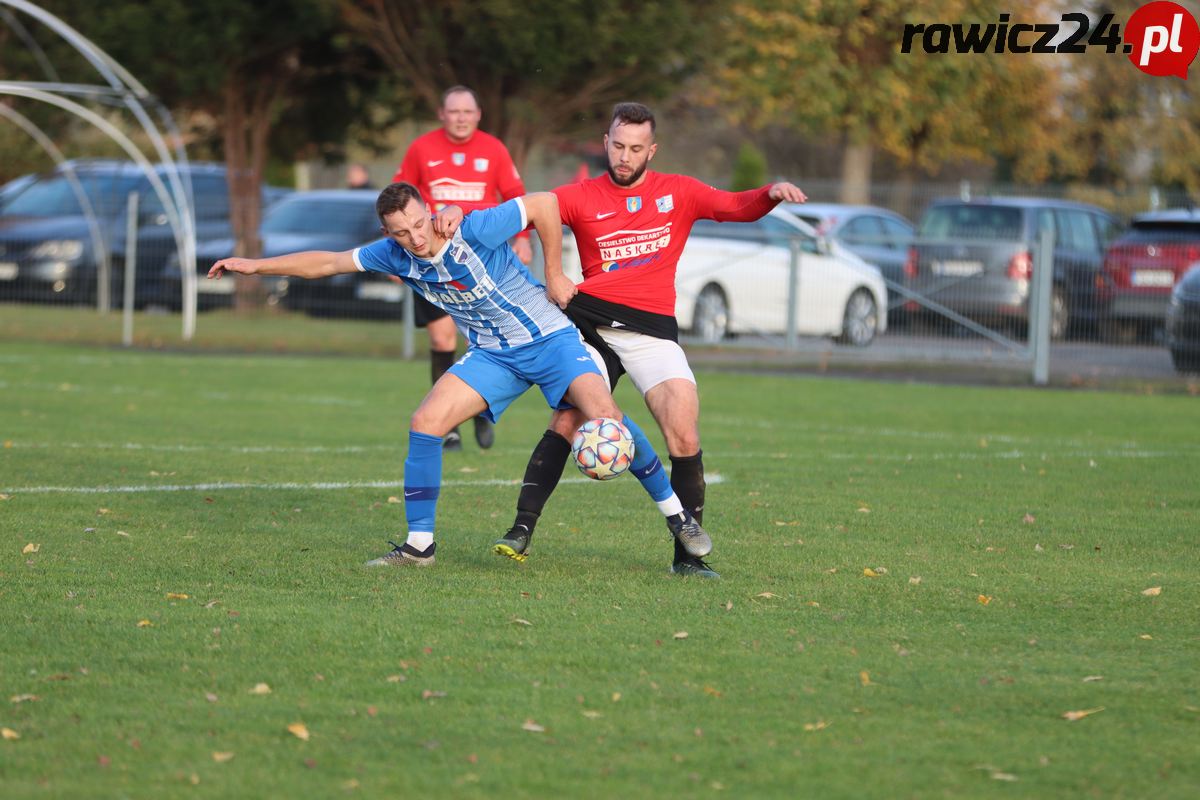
630	226
460	164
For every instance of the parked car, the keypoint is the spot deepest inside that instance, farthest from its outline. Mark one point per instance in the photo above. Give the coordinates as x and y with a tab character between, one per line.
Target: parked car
876	235
1144	263
336	220
47	248
733	278
1183	322
13	188
976	257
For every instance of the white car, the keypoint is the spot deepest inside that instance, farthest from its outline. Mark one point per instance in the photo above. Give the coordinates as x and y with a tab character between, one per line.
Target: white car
733	278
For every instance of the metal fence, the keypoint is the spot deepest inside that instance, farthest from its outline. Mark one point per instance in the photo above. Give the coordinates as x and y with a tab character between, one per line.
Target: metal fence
938	273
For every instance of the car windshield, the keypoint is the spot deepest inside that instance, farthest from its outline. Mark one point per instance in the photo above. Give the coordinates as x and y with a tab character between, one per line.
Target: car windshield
972	222
55	196
319	216
1160	230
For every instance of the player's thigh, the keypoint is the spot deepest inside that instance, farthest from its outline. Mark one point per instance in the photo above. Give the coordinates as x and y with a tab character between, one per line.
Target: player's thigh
648	360
589	394
449	403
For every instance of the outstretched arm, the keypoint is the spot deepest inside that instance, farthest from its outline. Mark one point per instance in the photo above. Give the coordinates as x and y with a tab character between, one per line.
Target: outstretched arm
542	210
309	264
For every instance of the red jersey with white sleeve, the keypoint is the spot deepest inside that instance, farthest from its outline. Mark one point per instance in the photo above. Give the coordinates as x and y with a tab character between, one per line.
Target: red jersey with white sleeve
630	239
478	173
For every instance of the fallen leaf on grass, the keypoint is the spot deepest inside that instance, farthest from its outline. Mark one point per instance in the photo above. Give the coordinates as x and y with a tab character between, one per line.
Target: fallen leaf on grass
122	533
212	604
819	725
30	548
616	697
1093	678
1003	776
396	678
222	757
428	694
984	599
532	727
768	595
1029	519
299	730
395	500
23	698
260	688
210	697
915	580
1072	716
145	623
870	573
681	634
1153	591
1145	636
728	605
712	691
591	714
176	596
519	621
9	734
864	678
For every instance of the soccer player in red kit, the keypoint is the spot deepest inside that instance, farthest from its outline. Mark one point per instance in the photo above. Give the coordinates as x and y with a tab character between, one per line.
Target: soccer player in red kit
460	164
630	226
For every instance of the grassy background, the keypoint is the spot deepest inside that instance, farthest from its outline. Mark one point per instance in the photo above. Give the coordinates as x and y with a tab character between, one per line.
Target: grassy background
799	674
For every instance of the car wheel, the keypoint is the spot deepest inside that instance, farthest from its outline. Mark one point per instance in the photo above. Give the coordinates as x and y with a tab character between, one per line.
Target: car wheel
861	320
1185	362
710	321
1060	314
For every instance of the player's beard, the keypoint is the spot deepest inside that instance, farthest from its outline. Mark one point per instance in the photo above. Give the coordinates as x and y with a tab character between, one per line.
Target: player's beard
633	178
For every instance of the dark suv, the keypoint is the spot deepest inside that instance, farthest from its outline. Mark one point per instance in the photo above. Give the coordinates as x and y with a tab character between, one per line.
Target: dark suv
50	251
1143	265
976	257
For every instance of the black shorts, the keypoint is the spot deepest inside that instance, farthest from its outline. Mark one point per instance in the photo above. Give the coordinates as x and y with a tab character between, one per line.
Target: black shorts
425	312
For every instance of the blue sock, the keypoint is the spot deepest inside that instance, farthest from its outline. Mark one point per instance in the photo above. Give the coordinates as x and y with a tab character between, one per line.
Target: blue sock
646	466
422	480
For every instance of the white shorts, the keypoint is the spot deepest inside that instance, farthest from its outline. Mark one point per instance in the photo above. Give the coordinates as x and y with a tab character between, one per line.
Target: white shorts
647	360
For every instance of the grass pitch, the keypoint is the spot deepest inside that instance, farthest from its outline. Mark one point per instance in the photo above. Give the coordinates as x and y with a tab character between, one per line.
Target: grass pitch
919	583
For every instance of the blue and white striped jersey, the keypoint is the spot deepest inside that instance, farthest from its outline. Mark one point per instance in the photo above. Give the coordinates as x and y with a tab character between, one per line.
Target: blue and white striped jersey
477	279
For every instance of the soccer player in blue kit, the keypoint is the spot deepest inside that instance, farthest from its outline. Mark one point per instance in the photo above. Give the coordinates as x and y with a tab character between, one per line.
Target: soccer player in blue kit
516	338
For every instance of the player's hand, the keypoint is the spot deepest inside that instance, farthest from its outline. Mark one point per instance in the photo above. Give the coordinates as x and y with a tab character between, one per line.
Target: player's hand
786	193
560	289
447	221
245	266
523	249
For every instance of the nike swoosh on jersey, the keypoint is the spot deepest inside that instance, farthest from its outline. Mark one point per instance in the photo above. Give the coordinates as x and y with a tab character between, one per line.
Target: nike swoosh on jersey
605	214
433	163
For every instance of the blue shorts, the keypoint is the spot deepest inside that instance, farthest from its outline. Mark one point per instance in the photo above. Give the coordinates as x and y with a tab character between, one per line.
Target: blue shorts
502	376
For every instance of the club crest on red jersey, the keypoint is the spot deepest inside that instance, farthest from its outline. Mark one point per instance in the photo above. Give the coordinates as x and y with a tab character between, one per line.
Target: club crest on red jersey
458	158
633	204
481	165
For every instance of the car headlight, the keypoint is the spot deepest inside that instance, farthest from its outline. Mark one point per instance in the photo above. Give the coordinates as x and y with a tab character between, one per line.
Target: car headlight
58	250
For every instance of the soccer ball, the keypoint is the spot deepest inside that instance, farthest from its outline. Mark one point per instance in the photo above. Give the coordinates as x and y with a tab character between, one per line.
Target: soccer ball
603	448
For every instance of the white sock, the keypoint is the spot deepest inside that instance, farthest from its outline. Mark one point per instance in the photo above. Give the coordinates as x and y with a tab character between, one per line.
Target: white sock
420	539
671	506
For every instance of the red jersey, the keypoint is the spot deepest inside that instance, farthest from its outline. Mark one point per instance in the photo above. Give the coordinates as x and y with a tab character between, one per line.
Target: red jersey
479	173
630	239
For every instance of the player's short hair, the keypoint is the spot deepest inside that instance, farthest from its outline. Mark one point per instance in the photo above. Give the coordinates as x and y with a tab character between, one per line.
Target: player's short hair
460	88
395	198
631	114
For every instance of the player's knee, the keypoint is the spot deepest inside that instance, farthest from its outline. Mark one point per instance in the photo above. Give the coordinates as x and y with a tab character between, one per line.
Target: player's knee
682	443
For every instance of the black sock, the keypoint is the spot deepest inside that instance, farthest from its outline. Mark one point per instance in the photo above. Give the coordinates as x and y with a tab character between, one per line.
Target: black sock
687	480
439	362
542	474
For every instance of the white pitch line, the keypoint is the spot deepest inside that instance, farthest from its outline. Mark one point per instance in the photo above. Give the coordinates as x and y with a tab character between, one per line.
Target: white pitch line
317	486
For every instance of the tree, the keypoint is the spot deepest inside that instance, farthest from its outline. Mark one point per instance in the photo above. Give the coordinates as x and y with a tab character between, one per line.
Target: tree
749	168
253	68
542	68
836	68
